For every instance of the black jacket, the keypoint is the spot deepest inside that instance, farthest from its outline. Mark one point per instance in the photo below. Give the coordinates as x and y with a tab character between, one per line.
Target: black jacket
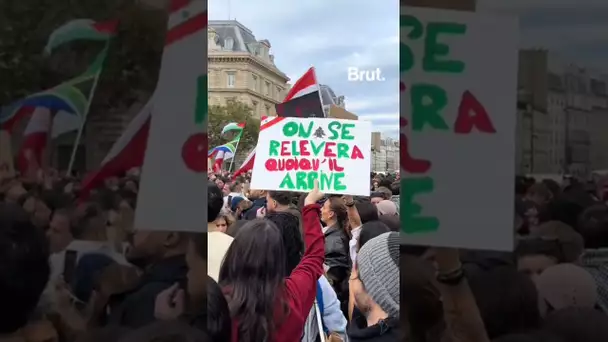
385	331
251	213
337	259
136	308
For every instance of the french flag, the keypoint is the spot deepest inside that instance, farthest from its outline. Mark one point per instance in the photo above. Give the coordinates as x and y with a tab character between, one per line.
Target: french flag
303	86
126	153
34	143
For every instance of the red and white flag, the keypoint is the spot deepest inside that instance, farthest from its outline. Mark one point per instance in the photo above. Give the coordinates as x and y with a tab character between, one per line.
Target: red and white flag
185	18
35	139
126	153
303	86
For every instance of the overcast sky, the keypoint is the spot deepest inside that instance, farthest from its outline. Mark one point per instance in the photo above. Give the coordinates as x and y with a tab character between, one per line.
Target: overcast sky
337	34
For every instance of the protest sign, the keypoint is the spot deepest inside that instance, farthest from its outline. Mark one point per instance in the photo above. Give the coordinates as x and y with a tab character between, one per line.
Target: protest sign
458	105
174	174
293	152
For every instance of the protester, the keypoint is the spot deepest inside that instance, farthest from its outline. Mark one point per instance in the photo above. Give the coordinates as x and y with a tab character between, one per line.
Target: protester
218	241
593	226
374	283
564	286
264	305
24	269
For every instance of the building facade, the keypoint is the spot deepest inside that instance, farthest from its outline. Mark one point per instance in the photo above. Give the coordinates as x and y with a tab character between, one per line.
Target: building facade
241	68
562	116
329	99
385	153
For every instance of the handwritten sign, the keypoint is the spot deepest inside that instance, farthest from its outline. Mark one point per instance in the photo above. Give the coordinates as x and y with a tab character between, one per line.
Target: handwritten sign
294	152
458	105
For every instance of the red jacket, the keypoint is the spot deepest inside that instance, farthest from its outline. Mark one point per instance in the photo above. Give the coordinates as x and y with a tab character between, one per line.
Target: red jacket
301	285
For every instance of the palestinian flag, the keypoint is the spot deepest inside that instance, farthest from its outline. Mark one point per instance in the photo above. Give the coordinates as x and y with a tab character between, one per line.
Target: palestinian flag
233	126
80	29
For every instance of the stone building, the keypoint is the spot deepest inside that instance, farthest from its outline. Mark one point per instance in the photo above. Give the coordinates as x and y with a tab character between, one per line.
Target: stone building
562	116
241	68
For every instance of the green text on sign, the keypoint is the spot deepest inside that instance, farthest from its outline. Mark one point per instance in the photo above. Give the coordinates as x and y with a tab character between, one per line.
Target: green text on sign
435	52
411	221
200	113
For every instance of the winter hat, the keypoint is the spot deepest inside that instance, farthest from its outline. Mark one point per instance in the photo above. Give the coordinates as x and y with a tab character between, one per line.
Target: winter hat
571	242
387	207
235	202
378	267
567	285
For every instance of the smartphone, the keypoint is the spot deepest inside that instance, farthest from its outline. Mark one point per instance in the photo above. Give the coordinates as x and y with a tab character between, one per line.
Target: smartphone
69	266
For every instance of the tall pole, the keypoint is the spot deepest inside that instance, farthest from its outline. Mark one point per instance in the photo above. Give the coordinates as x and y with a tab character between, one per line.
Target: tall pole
530	112
85	115
386	157
236	147
314	72
567	148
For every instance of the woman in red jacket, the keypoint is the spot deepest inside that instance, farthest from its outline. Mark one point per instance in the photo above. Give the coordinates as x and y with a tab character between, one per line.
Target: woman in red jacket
265	307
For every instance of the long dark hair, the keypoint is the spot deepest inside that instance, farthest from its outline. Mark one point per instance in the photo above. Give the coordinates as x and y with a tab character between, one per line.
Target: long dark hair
252	278
336	204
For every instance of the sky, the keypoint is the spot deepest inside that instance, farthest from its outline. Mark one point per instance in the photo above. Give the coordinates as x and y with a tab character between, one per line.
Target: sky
338	34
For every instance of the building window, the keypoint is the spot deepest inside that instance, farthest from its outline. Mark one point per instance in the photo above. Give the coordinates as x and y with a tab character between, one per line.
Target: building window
279	92
267	110
231	79
230	100
229	43
267	89
254	80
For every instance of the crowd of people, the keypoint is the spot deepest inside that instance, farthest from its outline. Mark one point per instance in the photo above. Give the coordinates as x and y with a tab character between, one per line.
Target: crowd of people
552	288
280	266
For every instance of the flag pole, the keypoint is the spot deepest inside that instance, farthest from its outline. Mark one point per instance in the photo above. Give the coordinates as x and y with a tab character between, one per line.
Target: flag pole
314	72
86	114
236	147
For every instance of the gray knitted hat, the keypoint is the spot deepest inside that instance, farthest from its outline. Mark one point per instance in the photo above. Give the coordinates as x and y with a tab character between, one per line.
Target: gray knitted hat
378	267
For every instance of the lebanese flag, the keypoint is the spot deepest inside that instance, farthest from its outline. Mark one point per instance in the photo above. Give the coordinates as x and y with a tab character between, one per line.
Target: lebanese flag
126	153
303	86
35	139
185	18
247	164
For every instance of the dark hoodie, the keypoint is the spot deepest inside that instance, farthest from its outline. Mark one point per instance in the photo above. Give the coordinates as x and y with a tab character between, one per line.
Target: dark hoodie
136	308
251	213
385	331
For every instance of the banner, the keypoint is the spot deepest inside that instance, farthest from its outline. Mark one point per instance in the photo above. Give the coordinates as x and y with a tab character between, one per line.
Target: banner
293	152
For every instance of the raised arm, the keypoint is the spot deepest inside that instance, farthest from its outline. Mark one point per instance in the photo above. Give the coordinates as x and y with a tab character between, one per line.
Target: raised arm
302	283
